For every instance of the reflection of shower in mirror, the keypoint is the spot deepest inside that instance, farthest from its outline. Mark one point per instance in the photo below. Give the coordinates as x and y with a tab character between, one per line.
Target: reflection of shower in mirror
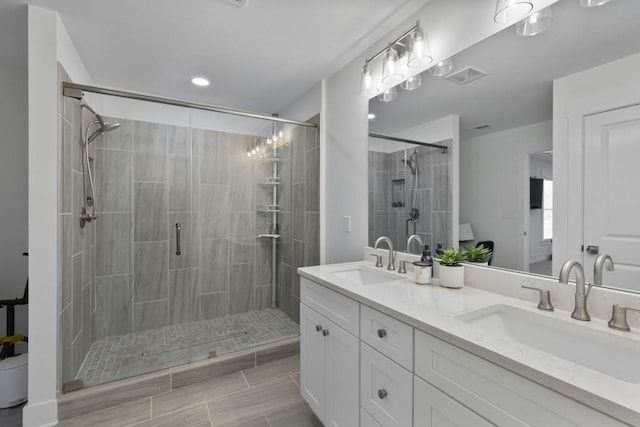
413	214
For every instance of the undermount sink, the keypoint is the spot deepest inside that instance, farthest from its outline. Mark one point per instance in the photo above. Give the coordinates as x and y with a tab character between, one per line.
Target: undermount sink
598	350
366	276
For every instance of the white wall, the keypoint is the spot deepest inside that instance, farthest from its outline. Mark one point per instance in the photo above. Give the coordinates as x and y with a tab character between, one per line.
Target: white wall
13	160
43	188
305	107
493	179
598	89
452	27
48	43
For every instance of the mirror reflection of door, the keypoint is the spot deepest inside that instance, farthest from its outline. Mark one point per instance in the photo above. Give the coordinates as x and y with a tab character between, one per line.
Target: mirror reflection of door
612	202
539	236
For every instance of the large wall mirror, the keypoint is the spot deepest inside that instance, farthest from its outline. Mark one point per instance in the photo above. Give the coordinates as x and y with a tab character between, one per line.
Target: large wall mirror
502	90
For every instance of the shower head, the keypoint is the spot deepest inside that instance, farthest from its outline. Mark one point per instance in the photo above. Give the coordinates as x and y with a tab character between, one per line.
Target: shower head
104	128
411	162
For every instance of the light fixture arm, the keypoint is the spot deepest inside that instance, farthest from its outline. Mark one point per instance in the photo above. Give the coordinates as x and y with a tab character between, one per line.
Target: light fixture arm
396	41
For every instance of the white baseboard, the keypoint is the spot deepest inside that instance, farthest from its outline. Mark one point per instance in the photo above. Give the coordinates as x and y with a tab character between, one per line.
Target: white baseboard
43	414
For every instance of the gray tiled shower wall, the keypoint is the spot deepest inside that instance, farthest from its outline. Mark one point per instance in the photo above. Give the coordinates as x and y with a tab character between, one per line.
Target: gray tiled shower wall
141	282
391	181
299	245
120	274
76	251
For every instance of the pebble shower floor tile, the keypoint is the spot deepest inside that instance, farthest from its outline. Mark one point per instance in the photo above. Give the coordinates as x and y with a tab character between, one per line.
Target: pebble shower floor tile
114	358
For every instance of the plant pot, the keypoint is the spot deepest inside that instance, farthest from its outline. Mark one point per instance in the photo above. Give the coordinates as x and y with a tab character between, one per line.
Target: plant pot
451	277
483	264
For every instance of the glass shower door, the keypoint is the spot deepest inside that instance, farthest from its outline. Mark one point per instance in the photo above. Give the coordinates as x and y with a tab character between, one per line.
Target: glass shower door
142	277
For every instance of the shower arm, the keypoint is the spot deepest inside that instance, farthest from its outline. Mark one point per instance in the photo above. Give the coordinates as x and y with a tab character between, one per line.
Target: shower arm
92	111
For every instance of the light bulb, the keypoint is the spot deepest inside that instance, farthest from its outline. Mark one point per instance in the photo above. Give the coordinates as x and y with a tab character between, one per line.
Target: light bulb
535	23
388	95
367	87
509	11
390	73
412	82
419	51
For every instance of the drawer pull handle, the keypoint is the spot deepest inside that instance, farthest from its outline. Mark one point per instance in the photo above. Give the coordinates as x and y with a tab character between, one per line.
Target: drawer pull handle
318	328
325	332
382	393
382	333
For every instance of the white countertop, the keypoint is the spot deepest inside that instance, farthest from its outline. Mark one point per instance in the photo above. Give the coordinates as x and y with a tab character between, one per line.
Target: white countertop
433	309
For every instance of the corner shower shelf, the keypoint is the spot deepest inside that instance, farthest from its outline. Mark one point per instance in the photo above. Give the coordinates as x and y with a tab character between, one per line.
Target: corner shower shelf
270	159
269	208
268	236
269	182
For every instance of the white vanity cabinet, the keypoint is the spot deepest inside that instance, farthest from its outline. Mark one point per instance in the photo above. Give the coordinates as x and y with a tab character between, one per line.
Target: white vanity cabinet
497	394
329	362
433	408
361	367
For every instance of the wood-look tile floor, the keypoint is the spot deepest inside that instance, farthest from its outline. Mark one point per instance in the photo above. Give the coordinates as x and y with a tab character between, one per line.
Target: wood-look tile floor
265	396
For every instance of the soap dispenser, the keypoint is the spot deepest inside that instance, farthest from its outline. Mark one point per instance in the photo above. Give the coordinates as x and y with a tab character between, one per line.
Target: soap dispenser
426	256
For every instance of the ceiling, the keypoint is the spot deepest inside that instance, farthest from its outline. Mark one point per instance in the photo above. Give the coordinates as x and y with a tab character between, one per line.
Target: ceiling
260	57
518	88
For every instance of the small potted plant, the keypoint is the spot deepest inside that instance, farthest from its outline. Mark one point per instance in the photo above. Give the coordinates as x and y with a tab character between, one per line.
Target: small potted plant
478	255
451	270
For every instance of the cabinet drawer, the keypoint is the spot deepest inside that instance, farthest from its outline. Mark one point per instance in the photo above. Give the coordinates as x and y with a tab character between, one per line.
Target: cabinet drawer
433	408
341	310
385	389
387	335
366	420
499	395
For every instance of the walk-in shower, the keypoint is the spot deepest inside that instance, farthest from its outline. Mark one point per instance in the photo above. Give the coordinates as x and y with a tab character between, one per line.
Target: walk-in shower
176	267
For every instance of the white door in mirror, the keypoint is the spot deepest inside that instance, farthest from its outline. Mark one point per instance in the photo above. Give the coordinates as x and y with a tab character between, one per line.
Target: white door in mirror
611	204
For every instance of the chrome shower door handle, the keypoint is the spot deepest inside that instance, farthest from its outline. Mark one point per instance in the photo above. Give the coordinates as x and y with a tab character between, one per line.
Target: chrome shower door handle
178	228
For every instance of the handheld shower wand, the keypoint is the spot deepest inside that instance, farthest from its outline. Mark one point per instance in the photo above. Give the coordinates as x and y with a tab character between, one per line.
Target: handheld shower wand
90	200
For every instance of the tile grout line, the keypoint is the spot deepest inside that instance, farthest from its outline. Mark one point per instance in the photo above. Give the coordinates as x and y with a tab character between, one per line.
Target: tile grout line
151	407
245	379
206	404
294	380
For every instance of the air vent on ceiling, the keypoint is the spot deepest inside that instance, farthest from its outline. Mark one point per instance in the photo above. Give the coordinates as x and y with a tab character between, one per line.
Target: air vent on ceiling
466	75
239	3
483	126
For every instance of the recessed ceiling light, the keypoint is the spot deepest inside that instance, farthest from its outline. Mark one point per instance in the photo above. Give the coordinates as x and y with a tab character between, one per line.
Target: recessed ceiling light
200	81
371	116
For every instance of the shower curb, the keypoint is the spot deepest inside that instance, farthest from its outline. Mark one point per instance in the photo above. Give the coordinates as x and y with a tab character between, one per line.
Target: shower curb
127	390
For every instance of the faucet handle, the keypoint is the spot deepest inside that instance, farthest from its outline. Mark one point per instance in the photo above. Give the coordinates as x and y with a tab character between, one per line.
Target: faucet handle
545	298
402	269
618	319
378	260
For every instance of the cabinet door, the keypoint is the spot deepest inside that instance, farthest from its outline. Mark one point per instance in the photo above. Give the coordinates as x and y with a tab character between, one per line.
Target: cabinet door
385	391
433	408
343	379
312	360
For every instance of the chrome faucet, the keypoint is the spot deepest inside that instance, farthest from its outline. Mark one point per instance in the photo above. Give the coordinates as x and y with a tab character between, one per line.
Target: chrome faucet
580	310
602	261
411	239
391	266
